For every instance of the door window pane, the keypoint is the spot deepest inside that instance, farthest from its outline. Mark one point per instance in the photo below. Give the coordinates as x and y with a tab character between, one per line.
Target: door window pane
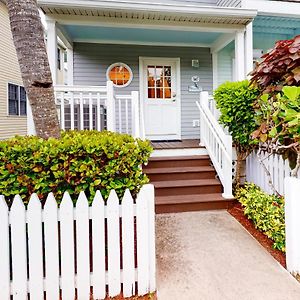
159	82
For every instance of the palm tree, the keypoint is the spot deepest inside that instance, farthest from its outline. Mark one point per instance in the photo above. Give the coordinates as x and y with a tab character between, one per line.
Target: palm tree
28	37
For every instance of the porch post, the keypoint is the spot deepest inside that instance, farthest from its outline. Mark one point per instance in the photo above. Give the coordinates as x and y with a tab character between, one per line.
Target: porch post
52	48
249	48
110	107
70	75
215	69
239	56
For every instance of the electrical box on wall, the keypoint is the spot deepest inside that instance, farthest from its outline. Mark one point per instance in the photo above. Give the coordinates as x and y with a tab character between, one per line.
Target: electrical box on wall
195	63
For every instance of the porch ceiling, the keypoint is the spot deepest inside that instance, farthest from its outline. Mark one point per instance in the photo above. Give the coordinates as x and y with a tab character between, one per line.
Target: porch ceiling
277	25
139	36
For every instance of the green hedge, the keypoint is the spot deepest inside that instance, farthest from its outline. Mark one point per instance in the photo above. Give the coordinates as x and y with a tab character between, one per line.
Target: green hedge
266	212
78	161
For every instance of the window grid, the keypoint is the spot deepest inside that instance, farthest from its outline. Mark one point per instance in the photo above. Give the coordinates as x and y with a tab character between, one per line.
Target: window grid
17	100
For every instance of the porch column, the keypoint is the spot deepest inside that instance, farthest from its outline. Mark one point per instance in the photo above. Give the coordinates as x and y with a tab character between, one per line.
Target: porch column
249	48
215	69
52	48
239	56
70	66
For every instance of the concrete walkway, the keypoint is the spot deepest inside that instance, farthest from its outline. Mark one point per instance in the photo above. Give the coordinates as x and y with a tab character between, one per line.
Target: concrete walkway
210	256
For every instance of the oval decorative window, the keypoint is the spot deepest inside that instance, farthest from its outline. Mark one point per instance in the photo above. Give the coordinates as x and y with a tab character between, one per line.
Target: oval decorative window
120	74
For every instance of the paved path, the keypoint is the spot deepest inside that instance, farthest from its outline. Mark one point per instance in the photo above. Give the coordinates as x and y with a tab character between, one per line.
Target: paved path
210	256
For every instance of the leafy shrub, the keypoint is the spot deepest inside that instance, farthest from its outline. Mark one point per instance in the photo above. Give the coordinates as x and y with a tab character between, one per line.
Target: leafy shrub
78	161
235	102
279	67
266	212
278	120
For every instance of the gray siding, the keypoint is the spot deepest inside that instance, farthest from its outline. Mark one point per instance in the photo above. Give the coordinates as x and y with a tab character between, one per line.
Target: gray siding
229	3
92	60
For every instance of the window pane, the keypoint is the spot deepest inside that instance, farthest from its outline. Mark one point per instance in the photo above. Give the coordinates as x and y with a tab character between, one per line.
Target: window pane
13	99
151	76
167	71
167	93
151	93
23	109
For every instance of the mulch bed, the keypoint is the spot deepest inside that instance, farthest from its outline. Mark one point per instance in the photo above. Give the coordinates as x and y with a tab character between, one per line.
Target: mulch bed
237	212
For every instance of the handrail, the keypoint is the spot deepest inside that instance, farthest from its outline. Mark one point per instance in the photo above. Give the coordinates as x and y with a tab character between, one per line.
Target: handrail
80	88
218	144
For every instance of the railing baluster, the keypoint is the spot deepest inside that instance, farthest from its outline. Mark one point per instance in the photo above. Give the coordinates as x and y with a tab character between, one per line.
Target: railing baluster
62	111
90	111
72	112
126	115
98	113
81	111
120	115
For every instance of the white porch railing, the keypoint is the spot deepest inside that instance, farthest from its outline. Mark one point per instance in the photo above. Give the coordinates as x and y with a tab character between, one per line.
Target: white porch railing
218	144
98	108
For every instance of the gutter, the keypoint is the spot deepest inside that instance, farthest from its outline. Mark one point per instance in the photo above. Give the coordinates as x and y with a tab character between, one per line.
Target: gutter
155	6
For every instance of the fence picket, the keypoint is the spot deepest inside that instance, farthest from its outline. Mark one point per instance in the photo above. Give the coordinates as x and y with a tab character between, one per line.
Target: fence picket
82	247
113	244
4	251
98	240
62	276
19	253
51	248
142	228
128	244
35	248
67	247
149	190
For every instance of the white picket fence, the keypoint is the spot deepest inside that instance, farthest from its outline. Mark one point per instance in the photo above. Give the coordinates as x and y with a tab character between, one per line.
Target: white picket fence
276	165
66	251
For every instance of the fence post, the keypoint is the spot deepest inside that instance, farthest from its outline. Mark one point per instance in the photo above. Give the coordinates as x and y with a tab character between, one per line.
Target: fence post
135	114
227	192
110	107
292	224
203	102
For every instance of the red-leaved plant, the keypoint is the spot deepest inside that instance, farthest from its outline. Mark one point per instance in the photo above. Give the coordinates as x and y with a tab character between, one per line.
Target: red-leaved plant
279	67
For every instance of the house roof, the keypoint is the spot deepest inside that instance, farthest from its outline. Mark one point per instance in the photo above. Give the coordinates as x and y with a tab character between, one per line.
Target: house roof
183	11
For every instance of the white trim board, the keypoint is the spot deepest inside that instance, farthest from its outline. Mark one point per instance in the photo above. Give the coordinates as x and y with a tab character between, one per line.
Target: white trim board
179	152
122	42
273	8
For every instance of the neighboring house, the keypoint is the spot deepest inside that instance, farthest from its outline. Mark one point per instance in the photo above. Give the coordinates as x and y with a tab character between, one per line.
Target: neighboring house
12	93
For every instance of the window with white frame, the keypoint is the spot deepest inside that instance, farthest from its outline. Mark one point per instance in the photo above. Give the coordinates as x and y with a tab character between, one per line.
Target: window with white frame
16	100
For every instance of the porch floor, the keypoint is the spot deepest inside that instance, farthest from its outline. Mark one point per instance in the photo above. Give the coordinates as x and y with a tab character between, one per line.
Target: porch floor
183	144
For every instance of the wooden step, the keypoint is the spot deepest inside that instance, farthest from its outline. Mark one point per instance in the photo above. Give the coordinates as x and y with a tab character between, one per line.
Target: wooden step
181	203
180	173
178	161
187	187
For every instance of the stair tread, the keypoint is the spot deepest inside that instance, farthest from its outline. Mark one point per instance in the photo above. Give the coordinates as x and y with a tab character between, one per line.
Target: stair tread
162	170
186	183
198	198
183	157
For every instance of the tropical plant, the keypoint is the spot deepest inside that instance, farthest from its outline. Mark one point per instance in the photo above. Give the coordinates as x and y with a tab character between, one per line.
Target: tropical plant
235	102
266	212
78	161
279	67
278	120
28	37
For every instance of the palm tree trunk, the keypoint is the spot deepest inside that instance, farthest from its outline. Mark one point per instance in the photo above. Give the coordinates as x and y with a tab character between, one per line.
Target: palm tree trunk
28	37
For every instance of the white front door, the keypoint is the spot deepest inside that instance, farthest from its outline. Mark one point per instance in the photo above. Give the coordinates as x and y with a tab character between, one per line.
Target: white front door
160	96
